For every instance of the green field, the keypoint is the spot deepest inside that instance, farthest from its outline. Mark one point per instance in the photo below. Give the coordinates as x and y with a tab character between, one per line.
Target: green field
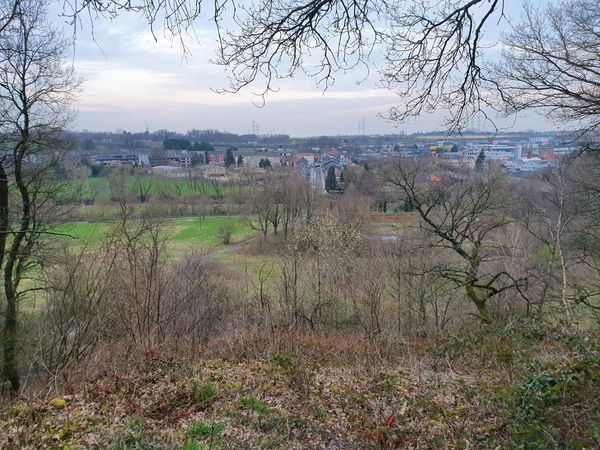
181	233
98	188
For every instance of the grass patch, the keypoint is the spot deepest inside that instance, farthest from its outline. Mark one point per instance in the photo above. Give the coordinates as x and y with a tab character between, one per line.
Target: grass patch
213	445
132	436
98	188
201	430
320	415
207	230
283	361
256	405
197	232
204	394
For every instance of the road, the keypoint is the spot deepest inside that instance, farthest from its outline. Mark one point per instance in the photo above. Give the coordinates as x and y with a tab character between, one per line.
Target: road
316	176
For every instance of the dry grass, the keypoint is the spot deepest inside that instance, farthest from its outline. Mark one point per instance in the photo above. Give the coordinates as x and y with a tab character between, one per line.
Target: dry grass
481	389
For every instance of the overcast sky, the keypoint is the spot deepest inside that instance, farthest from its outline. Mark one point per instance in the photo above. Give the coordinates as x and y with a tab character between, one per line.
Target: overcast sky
131	80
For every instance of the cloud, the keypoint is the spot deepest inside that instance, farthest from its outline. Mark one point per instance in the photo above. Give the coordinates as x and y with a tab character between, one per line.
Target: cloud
132	77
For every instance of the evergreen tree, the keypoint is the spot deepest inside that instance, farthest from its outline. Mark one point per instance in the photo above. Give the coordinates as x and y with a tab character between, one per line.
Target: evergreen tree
240	160
197	159
176	144
229	158
264	163
330	180
205	146
479	162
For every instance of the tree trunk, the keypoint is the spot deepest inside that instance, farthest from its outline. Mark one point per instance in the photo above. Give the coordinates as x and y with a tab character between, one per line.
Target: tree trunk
10	371
3	212
9	336
484	313
565	286
480	303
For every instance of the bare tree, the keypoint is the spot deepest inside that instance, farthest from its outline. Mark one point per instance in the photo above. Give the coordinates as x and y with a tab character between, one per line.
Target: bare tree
551	216
140	277
323	250
584	234
462	210
74	319
288	194
261	206
176	17
10	11
216	185
366	290
143	188
279	201
432	52
36	90
197	301
309	195
291	201
551	63
225	232
423	300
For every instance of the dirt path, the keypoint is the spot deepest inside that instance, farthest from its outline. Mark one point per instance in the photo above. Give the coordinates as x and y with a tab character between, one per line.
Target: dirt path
230	248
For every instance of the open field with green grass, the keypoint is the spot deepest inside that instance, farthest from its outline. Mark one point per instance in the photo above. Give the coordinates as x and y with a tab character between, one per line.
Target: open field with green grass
181	234
98	188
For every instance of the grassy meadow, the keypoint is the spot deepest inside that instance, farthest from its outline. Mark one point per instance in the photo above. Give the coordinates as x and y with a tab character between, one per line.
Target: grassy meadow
182	234
99	188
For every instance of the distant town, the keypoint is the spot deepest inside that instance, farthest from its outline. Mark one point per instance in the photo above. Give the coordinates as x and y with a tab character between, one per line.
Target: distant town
205	152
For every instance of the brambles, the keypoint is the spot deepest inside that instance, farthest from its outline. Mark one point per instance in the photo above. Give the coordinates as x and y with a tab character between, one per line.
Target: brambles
542	399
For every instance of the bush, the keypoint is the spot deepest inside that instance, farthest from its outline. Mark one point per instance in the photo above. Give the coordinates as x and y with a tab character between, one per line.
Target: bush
283	360
226	232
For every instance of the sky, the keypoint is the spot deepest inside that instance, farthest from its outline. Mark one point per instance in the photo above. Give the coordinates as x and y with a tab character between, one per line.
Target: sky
132	80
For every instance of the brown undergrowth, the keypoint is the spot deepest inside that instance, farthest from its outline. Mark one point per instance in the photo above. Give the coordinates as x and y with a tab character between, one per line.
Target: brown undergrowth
494	387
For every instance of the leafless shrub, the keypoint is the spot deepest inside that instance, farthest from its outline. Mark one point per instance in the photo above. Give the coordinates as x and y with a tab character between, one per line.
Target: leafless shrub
225	232
75	315
197	303
424	302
